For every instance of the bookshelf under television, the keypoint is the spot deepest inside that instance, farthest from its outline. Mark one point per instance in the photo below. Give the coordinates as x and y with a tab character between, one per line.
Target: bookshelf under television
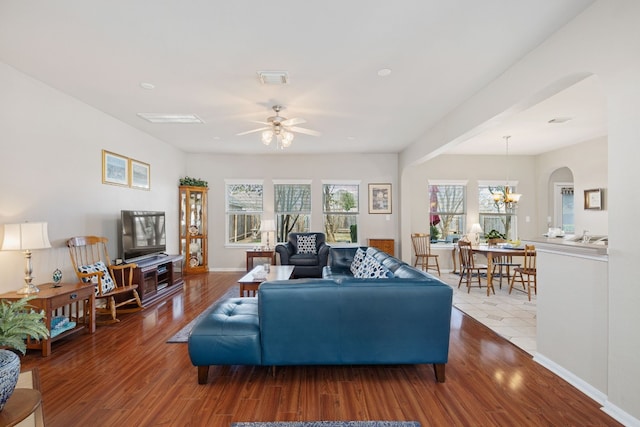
158	276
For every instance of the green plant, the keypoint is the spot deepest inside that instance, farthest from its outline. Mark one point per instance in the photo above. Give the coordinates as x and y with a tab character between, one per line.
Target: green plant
434	232
194	182
494	234
18	321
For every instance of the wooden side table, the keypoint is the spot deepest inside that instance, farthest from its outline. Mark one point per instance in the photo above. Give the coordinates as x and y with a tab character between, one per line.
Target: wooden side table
24	407
260	254
65	300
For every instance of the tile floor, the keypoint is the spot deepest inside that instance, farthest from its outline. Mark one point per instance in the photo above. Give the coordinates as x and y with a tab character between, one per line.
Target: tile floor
512	316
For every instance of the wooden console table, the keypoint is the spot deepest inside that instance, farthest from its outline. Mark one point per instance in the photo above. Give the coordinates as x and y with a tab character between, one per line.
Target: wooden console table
385	245
67	299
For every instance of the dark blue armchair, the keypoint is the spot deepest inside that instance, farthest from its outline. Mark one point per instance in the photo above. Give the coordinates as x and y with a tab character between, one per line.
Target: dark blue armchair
306	255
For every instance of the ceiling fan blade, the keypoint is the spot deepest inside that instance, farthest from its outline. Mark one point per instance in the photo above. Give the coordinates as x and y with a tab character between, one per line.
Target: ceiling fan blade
294	121
252	131
305	131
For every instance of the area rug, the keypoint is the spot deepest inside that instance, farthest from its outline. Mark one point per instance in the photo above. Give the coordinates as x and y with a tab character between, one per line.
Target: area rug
183	334
331	424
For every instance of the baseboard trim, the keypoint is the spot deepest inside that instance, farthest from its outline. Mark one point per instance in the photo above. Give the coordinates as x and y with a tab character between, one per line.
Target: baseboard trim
607	407
571	378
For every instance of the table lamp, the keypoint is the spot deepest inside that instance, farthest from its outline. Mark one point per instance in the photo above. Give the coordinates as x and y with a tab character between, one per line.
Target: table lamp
268	225
26	237
476	230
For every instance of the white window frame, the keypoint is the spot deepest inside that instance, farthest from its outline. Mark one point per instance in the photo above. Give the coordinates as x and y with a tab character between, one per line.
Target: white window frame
356	215
292	182
463	214
513	214
260	212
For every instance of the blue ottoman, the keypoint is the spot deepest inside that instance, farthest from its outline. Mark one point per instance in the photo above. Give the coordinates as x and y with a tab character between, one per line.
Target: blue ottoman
228	334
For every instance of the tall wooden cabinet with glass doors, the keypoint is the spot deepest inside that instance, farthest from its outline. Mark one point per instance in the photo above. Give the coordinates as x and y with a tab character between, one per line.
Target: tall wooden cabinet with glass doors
193	228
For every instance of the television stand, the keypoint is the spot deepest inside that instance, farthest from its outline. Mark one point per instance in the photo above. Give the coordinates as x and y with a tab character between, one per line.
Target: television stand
158	277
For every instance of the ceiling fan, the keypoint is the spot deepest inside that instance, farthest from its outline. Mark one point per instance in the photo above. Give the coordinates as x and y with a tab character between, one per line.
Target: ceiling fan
281	128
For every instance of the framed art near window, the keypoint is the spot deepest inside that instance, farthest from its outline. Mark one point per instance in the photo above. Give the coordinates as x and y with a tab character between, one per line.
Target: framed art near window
593	199
115	169
140	175
379	198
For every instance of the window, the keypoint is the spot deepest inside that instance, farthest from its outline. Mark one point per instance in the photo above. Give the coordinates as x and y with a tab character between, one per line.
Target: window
495	215
447	210
340	208
244	212
292	209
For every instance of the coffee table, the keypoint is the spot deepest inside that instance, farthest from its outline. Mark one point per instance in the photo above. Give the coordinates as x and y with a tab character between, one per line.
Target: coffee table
276	272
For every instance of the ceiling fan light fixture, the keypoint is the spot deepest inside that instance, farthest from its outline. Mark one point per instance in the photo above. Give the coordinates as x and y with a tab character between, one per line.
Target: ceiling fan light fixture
287	138
267	137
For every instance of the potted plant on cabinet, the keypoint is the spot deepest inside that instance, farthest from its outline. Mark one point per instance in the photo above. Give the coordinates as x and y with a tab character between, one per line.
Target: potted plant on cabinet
17	322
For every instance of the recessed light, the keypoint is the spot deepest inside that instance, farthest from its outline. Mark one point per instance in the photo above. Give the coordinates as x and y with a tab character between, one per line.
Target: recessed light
384	72
147	86
170	118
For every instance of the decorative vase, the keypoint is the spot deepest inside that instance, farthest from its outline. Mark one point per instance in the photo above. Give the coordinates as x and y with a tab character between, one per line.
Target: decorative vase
9	372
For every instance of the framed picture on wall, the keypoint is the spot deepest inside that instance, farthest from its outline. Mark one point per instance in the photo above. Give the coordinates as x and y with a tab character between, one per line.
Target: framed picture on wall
140	175
115	169
593	199
379	198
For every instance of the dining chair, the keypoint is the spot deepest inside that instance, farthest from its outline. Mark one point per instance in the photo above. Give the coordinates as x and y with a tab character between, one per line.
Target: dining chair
468	266
422	249
528	270
501	261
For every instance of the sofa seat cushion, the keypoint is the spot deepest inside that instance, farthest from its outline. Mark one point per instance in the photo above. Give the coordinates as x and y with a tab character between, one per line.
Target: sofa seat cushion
304	259
228	334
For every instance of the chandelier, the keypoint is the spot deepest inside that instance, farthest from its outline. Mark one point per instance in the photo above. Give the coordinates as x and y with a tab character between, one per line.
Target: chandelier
507	198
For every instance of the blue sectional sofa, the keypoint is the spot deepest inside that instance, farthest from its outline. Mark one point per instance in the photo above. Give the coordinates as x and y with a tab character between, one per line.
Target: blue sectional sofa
335	320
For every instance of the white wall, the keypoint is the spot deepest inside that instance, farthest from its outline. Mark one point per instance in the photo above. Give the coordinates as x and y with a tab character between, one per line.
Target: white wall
588	162
51	147
366	168
605	41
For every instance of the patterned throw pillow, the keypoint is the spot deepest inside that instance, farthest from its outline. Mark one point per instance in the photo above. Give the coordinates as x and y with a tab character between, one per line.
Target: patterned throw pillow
357	260
307	244
107	282
372	269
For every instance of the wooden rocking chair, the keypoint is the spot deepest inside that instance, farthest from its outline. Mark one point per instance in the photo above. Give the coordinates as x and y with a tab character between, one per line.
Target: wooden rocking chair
114	283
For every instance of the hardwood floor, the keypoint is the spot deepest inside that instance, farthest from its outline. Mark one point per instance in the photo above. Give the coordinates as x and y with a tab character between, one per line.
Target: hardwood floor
127	375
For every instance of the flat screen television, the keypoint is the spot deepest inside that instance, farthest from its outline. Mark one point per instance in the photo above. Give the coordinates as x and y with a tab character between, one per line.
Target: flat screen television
143	234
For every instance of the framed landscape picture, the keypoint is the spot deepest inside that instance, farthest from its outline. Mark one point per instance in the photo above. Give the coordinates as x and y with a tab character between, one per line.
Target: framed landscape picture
115	169
140	175
379	198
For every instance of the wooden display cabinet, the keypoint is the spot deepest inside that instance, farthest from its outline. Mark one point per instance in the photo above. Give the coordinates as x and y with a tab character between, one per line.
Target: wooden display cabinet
193	228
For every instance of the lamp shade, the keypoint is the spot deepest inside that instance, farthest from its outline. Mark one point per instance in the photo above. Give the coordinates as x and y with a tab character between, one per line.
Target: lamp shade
476	228
25	236
268	225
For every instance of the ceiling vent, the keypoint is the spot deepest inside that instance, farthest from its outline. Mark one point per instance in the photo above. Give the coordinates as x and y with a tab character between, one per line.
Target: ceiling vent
273	77
170	118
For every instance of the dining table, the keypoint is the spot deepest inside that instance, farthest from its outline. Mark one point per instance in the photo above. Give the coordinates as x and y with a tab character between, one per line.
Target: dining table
495	251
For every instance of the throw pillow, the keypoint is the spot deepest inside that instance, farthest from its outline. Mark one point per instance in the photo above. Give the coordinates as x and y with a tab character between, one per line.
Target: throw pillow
372	269
105	279
307	244
357	260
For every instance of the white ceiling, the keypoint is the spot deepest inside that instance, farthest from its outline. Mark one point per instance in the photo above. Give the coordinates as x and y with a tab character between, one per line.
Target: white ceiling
202	57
